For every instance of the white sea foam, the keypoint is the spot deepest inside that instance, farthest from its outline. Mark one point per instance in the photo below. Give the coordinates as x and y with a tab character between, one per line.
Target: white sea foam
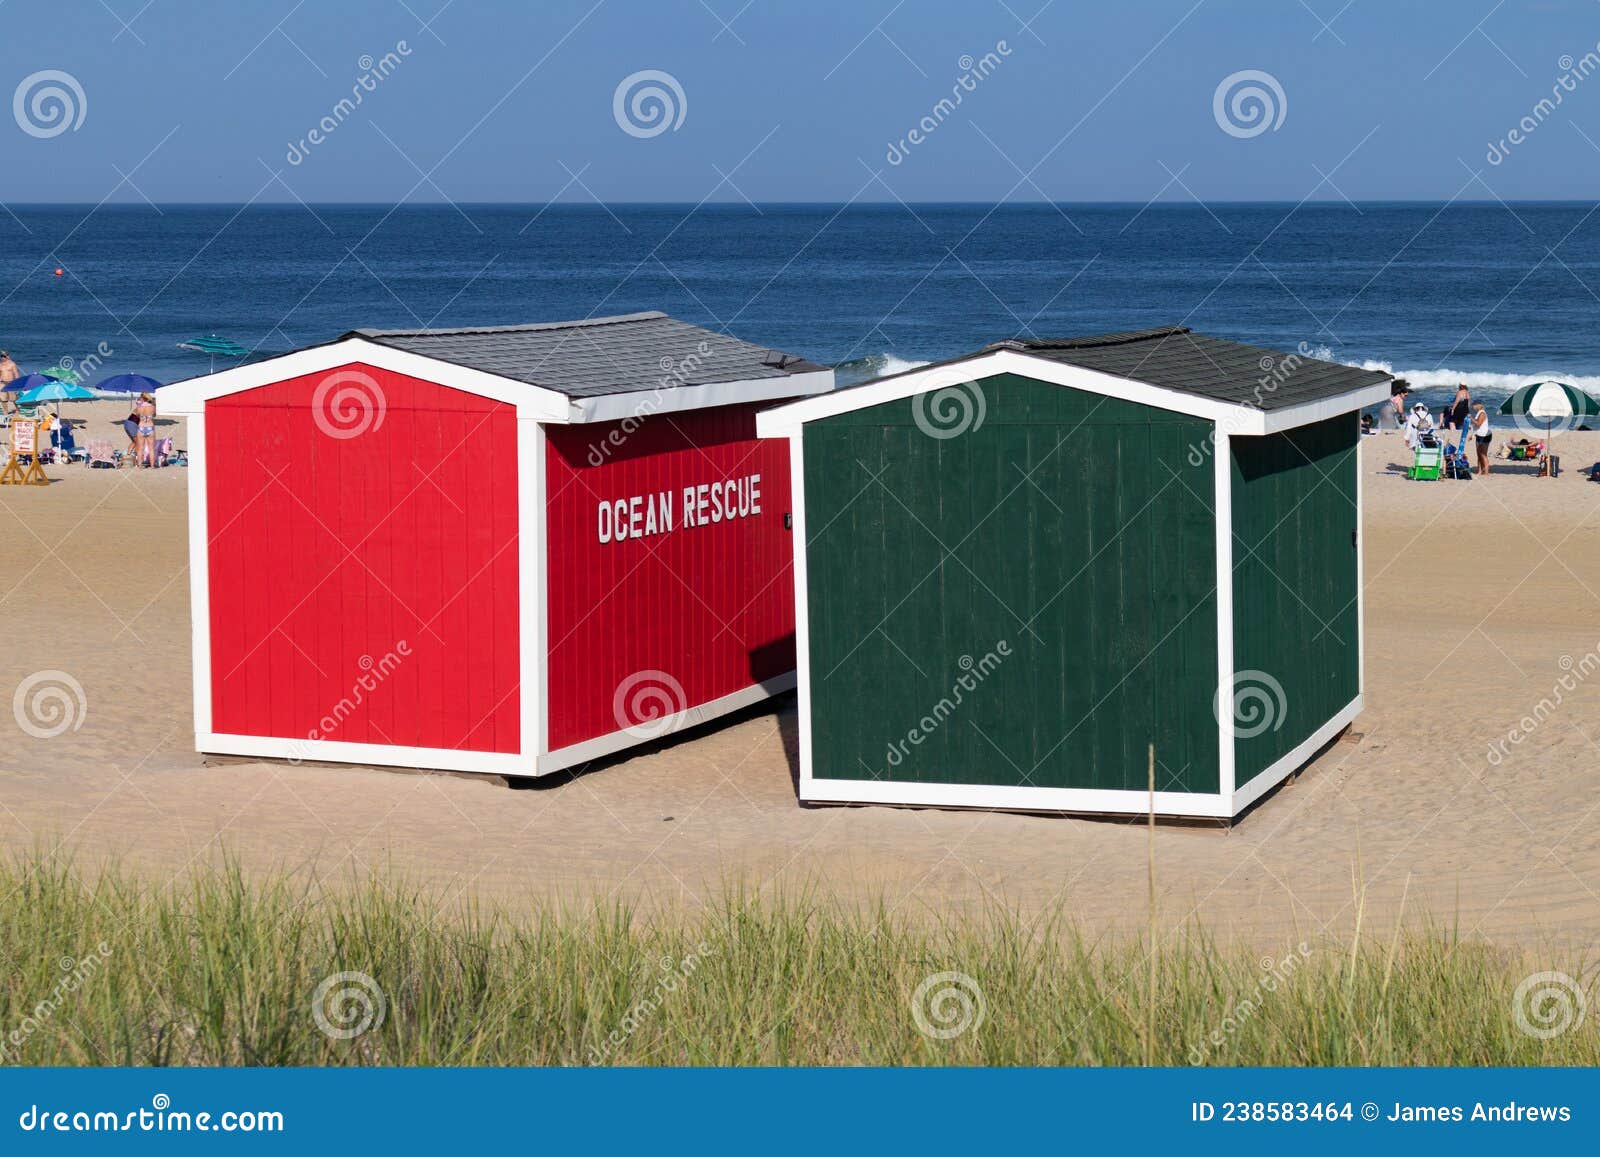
1481	381
893	365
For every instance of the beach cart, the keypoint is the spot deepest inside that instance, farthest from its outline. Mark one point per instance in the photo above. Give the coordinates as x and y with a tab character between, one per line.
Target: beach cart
1427	463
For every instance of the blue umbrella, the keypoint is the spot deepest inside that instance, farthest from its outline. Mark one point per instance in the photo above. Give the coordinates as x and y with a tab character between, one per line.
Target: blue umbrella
128	384
29	382
54	391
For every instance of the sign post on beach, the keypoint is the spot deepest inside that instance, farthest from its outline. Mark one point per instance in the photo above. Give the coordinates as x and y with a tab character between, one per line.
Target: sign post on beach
24	440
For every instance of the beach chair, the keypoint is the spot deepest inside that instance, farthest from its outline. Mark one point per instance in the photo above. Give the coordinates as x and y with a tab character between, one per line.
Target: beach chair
102	453
1428	464
1457	464
67	448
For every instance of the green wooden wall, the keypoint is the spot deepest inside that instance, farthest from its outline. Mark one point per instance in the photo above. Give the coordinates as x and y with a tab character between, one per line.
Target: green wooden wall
1075	530
1295	579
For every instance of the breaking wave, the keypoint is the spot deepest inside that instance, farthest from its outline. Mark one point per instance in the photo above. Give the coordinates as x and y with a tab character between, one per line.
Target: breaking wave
1480	381
873	366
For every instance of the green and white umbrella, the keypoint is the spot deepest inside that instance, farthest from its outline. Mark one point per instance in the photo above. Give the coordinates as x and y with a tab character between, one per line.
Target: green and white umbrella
214	347
1555	404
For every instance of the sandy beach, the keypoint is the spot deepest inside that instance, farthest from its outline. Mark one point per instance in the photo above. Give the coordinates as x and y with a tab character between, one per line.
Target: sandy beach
1481	598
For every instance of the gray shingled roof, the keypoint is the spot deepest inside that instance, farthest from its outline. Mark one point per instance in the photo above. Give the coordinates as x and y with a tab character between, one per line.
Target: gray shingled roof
1177	358
599	355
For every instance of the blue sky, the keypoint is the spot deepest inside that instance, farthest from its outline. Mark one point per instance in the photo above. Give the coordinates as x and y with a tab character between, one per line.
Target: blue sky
797	101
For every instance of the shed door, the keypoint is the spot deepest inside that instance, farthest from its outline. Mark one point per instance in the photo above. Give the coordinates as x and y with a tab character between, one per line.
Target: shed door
363	563
1026	598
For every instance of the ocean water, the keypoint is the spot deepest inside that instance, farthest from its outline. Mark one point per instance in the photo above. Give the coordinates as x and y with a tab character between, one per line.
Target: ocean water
1490	294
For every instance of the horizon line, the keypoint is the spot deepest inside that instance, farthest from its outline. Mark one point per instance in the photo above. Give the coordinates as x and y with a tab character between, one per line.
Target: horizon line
738	204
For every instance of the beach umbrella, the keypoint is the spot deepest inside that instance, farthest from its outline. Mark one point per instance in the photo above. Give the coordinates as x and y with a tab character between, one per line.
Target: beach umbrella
215	347
1550	403
127	384
54	391
28	382
59	374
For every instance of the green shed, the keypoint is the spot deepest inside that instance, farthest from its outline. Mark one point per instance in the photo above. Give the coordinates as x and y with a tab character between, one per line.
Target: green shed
1015	570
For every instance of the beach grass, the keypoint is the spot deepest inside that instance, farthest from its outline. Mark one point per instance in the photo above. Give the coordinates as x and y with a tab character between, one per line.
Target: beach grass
221	968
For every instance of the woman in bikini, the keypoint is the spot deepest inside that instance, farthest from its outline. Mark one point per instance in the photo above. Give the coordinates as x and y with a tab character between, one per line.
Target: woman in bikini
145	446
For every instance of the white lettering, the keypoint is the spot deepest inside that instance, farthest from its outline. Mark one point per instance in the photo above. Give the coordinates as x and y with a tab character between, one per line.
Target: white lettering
647	515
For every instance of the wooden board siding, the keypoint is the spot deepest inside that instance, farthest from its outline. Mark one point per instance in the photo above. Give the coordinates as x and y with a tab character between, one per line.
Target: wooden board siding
1294	583
328	553
1076	529
685	616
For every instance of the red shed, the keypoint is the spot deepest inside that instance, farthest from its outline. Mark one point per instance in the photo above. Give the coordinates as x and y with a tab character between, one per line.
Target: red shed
507	549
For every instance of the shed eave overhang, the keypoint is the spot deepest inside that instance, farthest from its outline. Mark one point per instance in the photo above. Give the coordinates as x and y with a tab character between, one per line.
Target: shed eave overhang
675	399
1236	419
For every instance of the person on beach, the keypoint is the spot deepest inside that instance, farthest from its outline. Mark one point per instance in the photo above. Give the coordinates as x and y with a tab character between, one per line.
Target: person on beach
145	437
1397	399
1459	409
1482	436
8	370
1418	422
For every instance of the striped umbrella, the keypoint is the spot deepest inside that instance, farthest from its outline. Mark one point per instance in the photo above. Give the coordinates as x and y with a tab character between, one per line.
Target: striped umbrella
214	347
1552	403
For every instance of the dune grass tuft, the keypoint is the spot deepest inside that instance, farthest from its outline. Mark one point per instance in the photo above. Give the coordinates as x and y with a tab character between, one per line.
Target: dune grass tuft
225	969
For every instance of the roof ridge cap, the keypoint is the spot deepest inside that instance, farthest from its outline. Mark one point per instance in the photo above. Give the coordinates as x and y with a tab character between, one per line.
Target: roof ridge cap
524	327
1097	341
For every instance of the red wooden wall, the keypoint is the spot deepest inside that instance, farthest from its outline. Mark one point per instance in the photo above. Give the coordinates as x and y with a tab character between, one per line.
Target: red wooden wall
350	512
711	607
